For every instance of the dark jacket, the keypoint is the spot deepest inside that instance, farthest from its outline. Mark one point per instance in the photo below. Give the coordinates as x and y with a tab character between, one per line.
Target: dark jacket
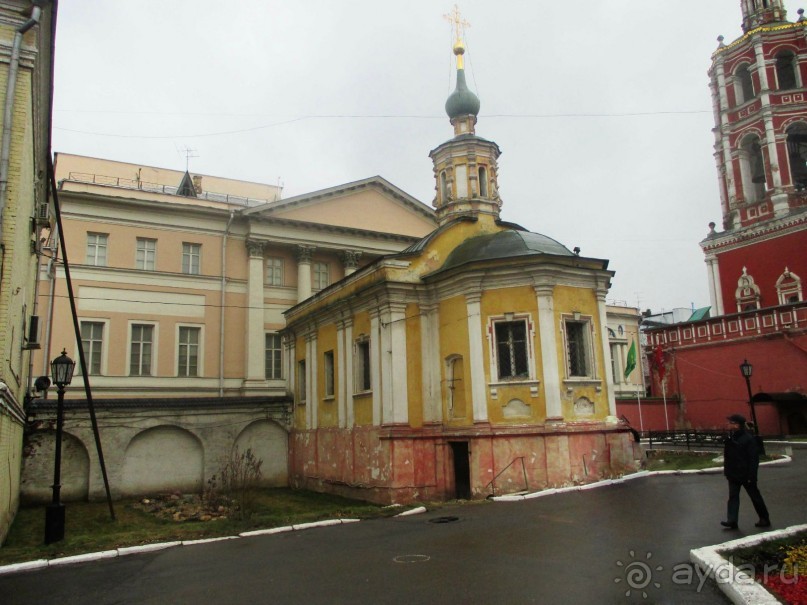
740	457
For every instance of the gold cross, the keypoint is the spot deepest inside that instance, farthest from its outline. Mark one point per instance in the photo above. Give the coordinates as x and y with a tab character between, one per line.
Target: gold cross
455	18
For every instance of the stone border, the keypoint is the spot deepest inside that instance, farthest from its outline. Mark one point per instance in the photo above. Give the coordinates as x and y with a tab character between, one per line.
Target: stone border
737	585
604	482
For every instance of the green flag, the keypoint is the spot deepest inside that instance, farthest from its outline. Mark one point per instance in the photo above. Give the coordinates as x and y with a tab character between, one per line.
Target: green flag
631	364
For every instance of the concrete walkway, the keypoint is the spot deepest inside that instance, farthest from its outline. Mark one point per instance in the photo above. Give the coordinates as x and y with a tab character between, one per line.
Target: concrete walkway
624	543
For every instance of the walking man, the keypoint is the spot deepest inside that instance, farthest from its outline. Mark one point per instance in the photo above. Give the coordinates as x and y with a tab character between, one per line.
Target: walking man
740	465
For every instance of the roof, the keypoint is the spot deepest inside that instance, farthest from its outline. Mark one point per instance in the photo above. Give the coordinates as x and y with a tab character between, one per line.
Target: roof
702	313
509	243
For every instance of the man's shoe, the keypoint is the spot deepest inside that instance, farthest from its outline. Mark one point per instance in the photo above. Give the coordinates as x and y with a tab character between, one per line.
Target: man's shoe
763	523
728	524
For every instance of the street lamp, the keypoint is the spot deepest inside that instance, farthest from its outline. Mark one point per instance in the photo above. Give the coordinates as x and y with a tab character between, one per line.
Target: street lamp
62	373
747	371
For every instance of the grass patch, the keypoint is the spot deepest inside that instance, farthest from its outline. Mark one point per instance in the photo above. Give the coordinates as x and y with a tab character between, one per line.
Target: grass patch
89	527
674	460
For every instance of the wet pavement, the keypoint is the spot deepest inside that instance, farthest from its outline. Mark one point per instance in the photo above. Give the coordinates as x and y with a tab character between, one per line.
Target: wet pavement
626	543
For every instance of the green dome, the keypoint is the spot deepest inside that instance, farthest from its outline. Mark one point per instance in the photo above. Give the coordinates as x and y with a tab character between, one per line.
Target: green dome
462	101
502	245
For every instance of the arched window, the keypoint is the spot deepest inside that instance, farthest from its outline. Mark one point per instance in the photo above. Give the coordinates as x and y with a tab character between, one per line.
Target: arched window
786	70
744	85
747	293
788	287
483	182
443	187
797	154
752	167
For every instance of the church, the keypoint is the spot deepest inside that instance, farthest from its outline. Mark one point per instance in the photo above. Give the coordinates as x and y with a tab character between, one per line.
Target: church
475	361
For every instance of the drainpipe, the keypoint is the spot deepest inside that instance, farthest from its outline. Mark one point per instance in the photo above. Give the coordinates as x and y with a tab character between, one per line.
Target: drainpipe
221	305
8	110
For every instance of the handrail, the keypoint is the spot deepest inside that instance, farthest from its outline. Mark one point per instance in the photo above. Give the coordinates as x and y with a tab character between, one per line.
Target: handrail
492	482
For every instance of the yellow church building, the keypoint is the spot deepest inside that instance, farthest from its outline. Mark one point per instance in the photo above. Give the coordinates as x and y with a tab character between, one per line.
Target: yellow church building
475	361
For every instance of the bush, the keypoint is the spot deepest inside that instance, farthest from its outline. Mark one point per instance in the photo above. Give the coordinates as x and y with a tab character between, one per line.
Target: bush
240	475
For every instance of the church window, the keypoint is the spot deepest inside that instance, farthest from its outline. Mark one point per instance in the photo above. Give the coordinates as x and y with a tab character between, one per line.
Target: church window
301	381
443	186
461	181
455	386
329	373
797	154
788	288
579	357
483	182
512	349
744	85
361	365
786	70
747	293
752	168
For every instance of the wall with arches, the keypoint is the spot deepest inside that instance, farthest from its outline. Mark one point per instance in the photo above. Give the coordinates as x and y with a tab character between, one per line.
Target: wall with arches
148	453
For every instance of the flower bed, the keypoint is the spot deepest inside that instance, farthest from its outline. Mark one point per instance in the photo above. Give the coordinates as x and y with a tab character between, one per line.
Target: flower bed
780	566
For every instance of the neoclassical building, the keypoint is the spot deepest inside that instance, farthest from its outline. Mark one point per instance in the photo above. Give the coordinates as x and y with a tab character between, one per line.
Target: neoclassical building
475	361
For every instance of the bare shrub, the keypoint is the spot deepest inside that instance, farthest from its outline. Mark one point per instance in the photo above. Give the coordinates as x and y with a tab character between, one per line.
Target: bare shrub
240	475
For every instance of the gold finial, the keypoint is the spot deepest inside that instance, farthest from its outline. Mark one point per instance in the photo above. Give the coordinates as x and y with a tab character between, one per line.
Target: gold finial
459	24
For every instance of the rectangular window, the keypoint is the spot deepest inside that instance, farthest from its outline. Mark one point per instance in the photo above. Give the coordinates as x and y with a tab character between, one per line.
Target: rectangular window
191	258
146	255
188	351
96	249
329	381
272	363
361	364
92	341
511	349
274	271
140	351
319	275
578	349
301	383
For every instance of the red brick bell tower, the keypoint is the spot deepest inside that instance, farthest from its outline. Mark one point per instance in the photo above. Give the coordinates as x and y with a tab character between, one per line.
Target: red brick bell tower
759	92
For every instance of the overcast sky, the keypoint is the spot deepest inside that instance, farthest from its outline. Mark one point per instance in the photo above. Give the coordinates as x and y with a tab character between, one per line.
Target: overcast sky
601	108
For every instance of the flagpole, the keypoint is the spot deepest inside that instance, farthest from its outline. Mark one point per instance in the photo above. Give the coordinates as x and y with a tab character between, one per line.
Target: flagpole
664	394
639	401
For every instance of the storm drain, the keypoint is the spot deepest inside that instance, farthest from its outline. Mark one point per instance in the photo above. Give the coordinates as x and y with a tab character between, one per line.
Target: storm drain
444	519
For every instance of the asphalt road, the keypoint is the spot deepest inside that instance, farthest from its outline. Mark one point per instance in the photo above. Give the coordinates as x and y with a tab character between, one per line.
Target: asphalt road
587	547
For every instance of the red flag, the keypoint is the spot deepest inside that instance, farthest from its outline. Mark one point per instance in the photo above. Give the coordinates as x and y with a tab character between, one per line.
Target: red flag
658	361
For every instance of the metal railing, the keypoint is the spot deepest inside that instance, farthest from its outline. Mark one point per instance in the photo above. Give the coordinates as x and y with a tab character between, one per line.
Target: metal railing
492	482
688	438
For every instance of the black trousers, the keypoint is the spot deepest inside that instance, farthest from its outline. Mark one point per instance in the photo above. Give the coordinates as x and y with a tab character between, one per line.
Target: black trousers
734	500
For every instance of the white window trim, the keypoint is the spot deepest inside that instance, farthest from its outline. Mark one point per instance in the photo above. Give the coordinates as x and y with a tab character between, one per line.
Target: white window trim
280	349
794	287
200	373
495	379
154	251
301	370
315	275
94	262
182	258
591	353
326	396
282	269
154	348
104	346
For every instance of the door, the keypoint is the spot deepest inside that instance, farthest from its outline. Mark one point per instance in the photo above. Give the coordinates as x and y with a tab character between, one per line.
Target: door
462	470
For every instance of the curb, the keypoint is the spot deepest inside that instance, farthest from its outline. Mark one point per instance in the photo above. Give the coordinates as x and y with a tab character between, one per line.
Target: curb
132	550
737	585
638	475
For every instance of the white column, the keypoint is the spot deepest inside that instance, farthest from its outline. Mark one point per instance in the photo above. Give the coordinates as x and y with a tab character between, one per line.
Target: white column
385	358
375	364
476	353
346	373
430	363
311	392
255	336
715	293
399	377
549	351
304	272
606	351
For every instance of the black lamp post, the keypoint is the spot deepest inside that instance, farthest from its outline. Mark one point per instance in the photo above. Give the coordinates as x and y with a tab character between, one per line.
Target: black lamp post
62	373
747	371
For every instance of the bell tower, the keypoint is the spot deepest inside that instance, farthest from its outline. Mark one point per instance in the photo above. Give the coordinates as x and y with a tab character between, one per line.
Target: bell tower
759	98
465	167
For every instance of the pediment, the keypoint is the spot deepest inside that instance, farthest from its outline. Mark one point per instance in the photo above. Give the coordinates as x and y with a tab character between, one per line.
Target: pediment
372	204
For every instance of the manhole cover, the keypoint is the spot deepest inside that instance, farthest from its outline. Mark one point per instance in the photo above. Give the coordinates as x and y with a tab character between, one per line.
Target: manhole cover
411	558
444	519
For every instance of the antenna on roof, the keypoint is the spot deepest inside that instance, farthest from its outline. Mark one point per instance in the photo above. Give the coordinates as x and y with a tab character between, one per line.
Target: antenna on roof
189	153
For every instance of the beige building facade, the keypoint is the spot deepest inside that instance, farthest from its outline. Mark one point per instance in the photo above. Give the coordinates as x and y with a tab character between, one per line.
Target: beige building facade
25	97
